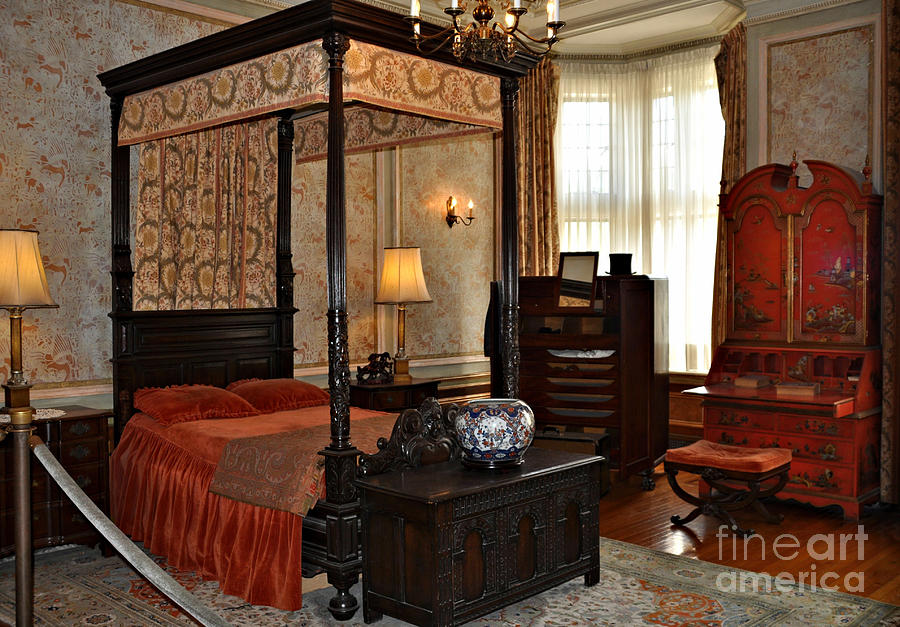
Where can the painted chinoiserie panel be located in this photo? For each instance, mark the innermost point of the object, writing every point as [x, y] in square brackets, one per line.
[800, 368]
[758, 249]
[835, 265]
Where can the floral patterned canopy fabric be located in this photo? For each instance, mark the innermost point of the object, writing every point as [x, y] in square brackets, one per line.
[205, 216]
[298, 76]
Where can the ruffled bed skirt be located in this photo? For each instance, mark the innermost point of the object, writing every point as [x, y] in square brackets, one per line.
[253, 553]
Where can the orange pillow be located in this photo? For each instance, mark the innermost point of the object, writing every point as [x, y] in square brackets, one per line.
[184, 403]
[270, 395]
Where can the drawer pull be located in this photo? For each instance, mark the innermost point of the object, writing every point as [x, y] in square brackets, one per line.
[79, 428]
[727, 438]
[732, 419]
[817, 426]
[824, 480]
[80, 452]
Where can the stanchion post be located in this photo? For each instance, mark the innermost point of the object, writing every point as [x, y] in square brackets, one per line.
[20, 429]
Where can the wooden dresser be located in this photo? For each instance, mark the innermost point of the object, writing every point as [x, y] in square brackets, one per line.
[600, 366]
[803, 307]
[79, 440]
[444, 544]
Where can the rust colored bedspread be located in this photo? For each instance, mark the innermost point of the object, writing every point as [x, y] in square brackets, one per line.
[159, 485]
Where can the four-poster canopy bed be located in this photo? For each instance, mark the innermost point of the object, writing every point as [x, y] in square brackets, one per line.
[275, 70]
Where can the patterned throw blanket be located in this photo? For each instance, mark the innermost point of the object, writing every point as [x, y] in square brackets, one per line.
[284, 471]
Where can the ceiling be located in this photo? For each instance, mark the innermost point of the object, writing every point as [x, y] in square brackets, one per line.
[593, 27]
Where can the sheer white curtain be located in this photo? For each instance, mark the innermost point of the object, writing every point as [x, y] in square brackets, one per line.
[640, 155]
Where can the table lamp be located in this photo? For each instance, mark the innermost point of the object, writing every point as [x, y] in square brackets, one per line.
[23, 285]
[402, 282]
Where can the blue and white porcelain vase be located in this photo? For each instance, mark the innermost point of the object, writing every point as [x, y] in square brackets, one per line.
[494, 432]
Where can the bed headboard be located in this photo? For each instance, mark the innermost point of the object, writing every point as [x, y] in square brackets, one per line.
[213, 347]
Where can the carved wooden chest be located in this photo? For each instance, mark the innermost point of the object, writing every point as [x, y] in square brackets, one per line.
[444, 544]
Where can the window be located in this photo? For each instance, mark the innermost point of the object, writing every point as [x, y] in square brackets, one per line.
[639, 154]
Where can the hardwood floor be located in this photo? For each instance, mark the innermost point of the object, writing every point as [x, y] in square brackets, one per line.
[872, 570]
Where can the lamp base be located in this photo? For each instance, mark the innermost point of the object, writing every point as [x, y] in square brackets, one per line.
[15, 396]
[401, 370]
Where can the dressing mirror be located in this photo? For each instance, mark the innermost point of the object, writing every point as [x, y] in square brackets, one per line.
[577, 278]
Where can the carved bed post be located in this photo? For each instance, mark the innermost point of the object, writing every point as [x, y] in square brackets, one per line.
[509, 233]
[121, 270]
[340, 508]
[284, 269]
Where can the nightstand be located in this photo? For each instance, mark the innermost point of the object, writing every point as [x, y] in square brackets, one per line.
[395, 396]
[80, 441]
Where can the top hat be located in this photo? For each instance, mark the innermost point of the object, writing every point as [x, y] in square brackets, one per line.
[619, 263]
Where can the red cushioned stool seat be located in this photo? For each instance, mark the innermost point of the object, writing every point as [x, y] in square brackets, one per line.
[735, 473]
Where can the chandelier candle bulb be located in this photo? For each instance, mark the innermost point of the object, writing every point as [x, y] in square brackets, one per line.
[471, 208]
[414, 8]
[454, 4]
[552, 13]
[517, 4]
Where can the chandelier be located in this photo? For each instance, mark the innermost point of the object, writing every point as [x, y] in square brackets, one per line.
[484, 37]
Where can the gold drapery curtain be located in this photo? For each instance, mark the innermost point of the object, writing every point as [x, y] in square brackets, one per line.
[890, 337]
[536, 171]
[205, 219]
[731, 71]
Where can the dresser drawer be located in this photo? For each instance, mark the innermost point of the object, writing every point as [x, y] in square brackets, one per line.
[41, 489]
[90, 477]
[86, 428]
[726, 417]
[81, 451]
[389, 399]
[815, 426]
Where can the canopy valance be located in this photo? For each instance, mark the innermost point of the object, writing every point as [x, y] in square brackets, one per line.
[372, 129]
[297, 77]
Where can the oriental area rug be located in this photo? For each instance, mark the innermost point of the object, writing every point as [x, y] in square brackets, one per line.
[638, 586]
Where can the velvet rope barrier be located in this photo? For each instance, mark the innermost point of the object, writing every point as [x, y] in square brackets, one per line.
[122, 543]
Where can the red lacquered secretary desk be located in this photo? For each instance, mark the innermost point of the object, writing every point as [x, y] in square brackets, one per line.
[803, 324]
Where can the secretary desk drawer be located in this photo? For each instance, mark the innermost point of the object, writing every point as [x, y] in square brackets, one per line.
[741, 418]
[815, 426]
[816, 477]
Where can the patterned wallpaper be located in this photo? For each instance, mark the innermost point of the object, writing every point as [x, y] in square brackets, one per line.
[820, 98]
[54, 163]
[308, 250]
[458, 262]
[54, 177]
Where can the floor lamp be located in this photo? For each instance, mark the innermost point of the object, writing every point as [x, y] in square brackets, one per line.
[23, 285]
[402, 282]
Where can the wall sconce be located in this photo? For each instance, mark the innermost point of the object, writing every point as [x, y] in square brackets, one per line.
[454, 218]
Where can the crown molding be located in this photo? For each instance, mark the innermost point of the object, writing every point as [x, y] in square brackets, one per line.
[641, 55]
[781, 14]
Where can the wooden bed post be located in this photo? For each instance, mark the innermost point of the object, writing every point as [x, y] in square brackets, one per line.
[284, 268]
[121, 270]
[509, 232]
[340, 508]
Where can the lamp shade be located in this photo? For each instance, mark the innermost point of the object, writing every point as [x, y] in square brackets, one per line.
[22, 280]
[402, 280]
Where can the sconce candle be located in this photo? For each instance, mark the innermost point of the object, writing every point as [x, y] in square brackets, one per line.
[453, 218]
